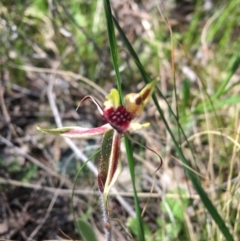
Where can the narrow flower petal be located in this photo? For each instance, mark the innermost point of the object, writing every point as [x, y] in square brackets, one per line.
[76, 131]
[135, 102]
[136, 126]
[112, 99]
[93, 100]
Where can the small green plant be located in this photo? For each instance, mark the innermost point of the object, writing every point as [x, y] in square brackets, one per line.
[24, 174]
[171, 222]
[174, 210]
[87, 232]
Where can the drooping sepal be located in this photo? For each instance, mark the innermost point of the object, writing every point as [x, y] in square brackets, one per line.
[110, 166]
[115, 166]
[76, 131]
[135, 102]
[106, 148]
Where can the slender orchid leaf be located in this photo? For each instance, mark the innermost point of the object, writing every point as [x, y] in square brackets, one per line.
[206, 201]
[87, 231]
[76, 131]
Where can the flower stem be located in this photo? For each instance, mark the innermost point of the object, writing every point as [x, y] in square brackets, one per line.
[106, 220]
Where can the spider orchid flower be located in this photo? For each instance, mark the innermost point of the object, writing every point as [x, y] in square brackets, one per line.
[118, 120]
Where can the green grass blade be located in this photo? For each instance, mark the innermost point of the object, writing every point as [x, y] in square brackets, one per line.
[113, 45]
[224, 12]
[132, 52]
[217, 104]
[232, 67]
[129, 151]
[206, 201]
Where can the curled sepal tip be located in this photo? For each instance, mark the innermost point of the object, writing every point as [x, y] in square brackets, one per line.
[93, 100]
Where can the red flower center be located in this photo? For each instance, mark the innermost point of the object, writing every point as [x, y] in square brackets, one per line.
[118, 118]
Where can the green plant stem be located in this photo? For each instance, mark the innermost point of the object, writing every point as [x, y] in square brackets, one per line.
[113, 46]
[128, 146]
[106, 220]
[129, 152]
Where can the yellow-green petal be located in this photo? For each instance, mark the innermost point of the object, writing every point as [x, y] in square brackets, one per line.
[112, 99]
[137, 126]
[135, 102]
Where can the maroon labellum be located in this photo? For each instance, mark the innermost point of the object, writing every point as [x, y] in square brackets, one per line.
[118, 118]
